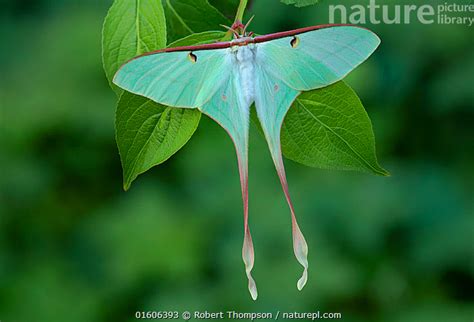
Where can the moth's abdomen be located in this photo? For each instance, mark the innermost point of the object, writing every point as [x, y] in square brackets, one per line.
[246, 60]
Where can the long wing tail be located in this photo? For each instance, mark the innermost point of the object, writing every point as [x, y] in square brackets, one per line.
[247, 249]
[300, 247]
[273, 99]
[228, 108]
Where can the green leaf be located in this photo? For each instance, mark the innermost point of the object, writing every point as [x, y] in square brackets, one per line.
[329, 128]
[149, 133]
[131, 28]
[199, 39]
[301, 3]
[185, 17]
[227, 7]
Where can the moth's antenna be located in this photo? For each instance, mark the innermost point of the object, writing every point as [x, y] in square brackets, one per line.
[232, 30]
[248, 23]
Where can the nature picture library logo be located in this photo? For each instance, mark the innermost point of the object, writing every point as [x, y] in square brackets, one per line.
[448, 13]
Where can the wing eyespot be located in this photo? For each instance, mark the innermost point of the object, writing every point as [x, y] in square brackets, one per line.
[192, 57]
[295, 41]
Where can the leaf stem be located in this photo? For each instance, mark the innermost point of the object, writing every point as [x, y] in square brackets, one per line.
[240, 10]
[238, 17]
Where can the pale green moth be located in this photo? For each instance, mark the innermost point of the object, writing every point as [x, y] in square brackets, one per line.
[223, 79]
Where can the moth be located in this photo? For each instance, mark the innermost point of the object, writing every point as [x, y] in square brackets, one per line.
[224, 79]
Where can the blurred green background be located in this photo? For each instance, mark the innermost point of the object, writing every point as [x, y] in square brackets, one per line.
[75, 247]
